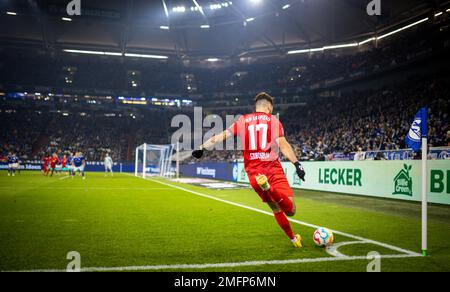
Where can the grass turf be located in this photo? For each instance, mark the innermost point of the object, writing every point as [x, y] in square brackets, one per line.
[126, 221]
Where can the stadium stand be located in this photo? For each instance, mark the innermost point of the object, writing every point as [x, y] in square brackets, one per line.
[357, 120]
[330, 106]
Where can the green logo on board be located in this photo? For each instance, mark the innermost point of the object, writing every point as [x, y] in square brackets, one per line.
[403, 182]
[243, 174]
[297, 181]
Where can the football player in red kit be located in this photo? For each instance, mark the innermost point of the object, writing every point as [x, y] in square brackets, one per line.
[46, 165]
[54, 160]
[64, 164]
[262, 136]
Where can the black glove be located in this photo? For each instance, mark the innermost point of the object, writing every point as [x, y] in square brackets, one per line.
[197, 154]
[300, 171]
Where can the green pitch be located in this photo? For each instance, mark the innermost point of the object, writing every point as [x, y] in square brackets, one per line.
[128, 223]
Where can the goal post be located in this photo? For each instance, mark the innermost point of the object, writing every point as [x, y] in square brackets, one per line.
[155, 160]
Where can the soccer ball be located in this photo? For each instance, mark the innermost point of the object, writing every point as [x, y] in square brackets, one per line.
[323, 237]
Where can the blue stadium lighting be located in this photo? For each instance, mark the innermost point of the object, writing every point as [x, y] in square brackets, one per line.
[93, 52]
[250, 19]
[11, 13]
[356, 44]
[286, 6]
[401, 29]
[367, 41]
[145, 56]
[165, 27]
[66, 19]
[205, 26]
[116, 54]
[179, 9]
[113, 54]
[351, 45]
[166, 11]
[212, 7]
[198, 7]
[215, 6]
[84, 52]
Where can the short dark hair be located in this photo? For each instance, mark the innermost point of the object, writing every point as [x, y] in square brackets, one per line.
[264, 96]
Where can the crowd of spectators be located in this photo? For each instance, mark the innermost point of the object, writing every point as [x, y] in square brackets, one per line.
[20, 130]
[349, 121]
[93, 135]
[34, 133]
[372, 120]
[368, 120]
[296, 73]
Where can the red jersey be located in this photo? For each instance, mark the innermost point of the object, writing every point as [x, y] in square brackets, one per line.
[64, 162]
[258, 133]
[54, 161]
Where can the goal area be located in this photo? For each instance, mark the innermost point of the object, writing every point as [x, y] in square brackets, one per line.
[156, 160]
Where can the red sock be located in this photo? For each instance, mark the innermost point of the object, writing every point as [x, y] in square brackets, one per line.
[285, 203]
[284, 224]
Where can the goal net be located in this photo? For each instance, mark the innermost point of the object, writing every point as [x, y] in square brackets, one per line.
[155, 160]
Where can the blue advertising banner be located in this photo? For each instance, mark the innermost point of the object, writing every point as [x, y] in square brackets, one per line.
[391, 155]
[343, 157]
[433, 153]
[213, 170]
[92, 166]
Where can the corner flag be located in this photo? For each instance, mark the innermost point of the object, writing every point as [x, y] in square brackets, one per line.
[419, 130]
[418, 138]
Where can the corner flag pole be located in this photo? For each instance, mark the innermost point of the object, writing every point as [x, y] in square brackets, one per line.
[424, 196]
[424, 134]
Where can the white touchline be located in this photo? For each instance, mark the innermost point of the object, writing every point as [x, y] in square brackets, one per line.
[224, 265]
[89, 188]
[385, 245]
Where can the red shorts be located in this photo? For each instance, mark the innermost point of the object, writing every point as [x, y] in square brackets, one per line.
[277, 180]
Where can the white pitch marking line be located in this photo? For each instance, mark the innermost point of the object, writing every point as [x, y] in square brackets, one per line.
[61, 178]
[333, 249]
[225, 265]
[90, 188]
[385, 245]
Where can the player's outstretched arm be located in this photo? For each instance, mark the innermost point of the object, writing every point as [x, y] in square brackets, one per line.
[211, 142]
[289, 153]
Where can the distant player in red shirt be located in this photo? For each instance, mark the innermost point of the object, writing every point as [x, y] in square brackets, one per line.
[45, 165]
[54, 160]
[262, 135]
[64, 164]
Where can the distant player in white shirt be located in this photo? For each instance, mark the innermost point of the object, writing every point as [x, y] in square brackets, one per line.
[108, 165]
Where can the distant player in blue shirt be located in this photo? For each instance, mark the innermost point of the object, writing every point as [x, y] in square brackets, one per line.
[13, 163]
[69, 163]
[79, 162]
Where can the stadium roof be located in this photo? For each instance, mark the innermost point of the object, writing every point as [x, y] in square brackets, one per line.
[200, 28]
